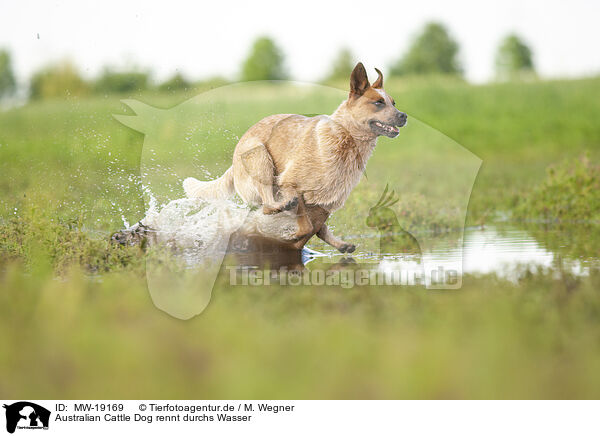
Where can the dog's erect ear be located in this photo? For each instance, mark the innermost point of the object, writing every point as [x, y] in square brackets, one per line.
[359, 82]
[379, 82]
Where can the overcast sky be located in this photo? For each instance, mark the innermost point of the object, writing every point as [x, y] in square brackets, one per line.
[209, 38]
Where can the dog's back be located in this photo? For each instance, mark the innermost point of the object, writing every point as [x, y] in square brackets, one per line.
[291, 162]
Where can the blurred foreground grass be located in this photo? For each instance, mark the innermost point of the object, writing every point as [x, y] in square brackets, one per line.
[74, 337]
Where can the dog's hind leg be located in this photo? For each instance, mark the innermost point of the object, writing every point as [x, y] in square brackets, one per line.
[325, 234]
[259, 165]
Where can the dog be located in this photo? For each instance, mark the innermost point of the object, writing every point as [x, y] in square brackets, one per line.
[308, 165]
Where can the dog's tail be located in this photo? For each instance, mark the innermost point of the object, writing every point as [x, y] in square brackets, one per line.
[219, 189]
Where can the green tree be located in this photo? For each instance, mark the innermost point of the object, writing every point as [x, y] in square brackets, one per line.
[342, 65]
[513, 58]
[60, 80]
[265, 62]
[175, 83]
[433, 51]
[8, 84]
[112, 82]
[211, 83]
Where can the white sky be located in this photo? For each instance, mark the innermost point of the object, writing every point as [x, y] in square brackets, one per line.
[209, 38]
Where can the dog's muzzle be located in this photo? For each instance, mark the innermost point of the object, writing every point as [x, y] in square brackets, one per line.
[387, 129]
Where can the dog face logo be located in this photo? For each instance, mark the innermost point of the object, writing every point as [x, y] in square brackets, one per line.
[432, 173]
[26, 415]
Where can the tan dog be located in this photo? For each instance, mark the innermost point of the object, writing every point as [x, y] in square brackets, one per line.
[308, 165]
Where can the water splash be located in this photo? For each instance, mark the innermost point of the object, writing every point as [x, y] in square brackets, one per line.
[196, 235]
[198, 229]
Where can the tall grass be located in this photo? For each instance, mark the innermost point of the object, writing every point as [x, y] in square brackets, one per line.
[76, 337]
[73, 154]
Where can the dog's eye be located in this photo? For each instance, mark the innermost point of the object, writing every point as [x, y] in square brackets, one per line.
[379, 103]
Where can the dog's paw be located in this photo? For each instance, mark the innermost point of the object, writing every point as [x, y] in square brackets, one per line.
[347, 248]
[290, 204]
[268, 210]
[271, 210]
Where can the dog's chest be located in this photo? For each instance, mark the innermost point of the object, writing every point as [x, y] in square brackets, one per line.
[340, 171]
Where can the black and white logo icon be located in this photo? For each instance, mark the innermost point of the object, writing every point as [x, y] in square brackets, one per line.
[26, 415]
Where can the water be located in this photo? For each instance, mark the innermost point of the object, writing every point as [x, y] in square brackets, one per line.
[506, 250]
[193, 242]
[203, 231]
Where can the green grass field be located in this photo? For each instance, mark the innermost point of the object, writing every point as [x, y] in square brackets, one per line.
[77, 321]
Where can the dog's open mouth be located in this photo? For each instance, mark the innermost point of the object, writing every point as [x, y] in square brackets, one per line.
[384, 129]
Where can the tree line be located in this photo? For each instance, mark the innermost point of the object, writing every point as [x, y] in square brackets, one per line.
[433, 51]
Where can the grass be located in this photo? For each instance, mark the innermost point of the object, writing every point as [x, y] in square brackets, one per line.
[75, 157]
[570, 192]
[76, 319]
[104, 339]
[62, 244]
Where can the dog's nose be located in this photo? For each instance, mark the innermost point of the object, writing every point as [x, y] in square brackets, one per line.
[402, 118]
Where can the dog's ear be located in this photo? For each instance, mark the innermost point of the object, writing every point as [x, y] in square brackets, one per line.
[379, 82]
[359, 82]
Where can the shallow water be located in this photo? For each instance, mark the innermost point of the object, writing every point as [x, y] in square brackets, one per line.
[195, 241]
[203, 232]
[506, 250]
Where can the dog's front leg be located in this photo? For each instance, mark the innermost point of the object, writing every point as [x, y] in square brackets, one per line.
[305, 227]
[326, 235]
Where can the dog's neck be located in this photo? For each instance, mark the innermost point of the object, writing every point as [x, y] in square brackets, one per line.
[362, 137]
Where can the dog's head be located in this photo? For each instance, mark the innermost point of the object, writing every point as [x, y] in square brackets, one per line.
[371, 107]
